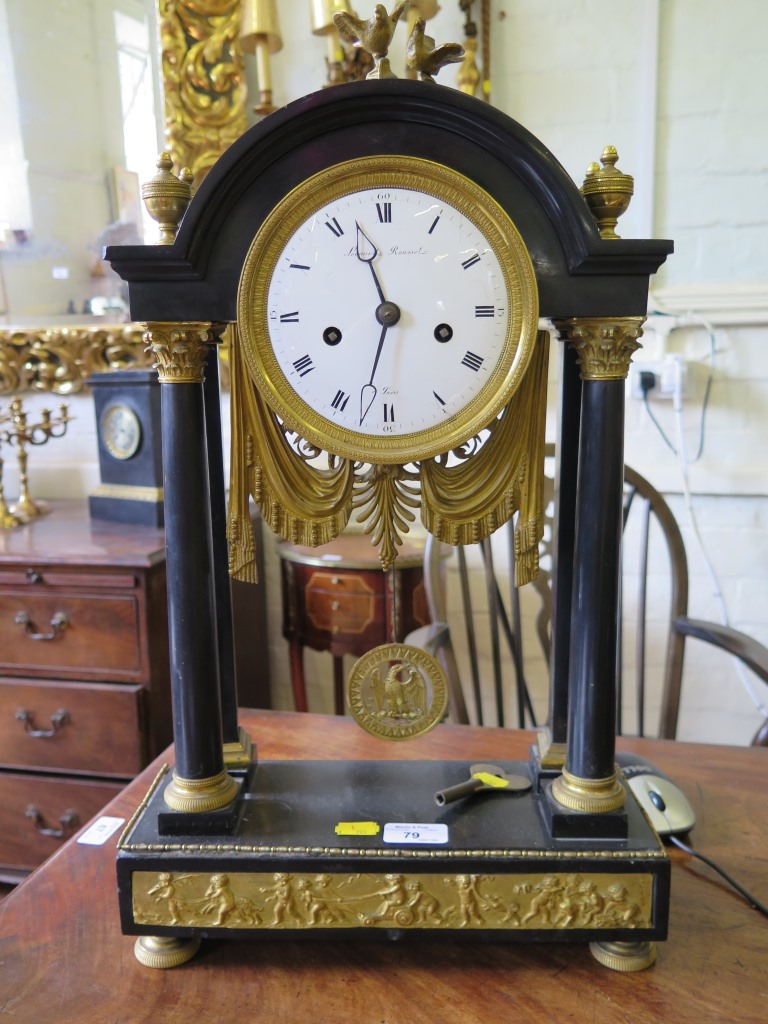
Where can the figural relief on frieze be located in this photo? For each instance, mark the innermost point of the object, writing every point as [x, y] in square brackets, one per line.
[305, 900]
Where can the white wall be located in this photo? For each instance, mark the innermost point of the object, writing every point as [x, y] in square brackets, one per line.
[71, 127]
[680, 87]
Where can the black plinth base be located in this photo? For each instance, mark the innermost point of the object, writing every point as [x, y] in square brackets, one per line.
[126, 510]
[222, 822]
[564, 824]
[294, 865]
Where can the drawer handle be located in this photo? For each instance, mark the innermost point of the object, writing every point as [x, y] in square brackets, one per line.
[59, 718]
[33, 576]
[59, 623]
[69, 822]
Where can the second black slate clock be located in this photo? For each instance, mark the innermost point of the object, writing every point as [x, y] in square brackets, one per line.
[127, 405]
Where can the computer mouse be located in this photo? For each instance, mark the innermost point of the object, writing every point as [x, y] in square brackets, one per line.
[666, 805]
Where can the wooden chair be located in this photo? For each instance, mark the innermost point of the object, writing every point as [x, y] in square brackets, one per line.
[493, 639]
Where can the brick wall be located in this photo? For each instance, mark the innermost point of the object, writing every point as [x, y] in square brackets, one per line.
[681, 89]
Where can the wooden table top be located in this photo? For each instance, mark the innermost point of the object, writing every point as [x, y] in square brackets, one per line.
[63, 958]
[67, 534]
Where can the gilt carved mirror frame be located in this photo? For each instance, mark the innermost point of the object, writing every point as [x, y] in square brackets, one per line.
[205, 111]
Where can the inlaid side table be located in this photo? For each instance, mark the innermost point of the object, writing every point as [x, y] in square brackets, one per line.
[336, 598]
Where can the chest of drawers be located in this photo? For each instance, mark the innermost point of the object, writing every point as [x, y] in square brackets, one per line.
[84, 674]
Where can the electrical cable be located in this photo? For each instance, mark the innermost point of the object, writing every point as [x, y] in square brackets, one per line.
[646, 387]
[658, 802]
[724, 874]
[655, 422]
[716, 589]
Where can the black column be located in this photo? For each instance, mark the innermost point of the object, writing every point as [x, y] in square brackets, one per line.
[566, 474]
[189, 561]
[222, 593]
[595, 596]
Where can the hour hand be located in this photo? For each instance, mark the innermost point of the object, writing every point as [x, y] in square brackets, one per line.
[367, 251]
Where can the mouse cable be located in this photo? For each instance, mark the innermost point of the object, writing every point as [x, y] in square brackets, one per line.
[731, 881]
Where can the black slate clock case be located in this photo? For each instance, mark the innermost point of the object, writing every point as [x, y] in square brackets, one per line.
[131, 488]
[196, 279]
[578, 274]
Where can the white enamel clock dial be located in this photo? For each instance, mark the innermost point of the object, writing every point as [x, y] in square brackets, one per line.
[393, 314]
[120, 430]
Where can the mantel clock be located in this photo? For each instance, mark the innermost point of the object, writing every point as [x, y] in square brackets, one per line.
[127, 407]
[380, 256]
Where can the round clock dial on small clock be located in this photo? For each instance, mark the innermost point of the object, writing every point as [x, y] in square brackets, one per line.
[388, 309]
[121, 430]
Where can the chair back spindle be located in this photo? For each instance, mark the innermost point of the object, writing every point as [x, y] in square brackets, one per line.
[498, 648]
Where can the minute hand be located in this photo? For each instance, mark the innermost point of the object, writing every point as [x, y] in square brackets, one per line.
[368, 391]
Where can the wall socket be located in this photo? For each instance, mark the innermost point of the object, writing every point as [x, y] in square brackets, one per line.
[665, 372]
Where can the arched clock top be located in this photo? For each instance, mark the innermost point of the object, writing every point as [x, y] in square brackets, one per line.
[578, 273]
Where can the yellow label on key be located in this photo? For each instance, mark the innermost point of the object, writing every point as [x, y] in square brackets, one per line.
[357, 828]
[491, 780]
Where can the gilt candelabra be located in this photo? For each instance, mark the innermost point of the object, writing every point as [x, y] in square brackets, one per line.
[20, 434]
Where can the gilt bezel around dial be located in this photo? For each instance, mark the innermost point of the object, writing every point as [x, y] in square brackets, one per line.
[408, 290]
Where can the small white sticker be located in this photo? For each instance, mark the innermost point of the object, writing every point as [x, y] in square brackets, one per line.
[100, 831]
[405, 834]
[60, 273]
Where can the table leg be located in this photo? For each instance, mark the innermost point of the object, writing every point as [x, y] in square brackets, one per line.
[298, 681]
[338, 684]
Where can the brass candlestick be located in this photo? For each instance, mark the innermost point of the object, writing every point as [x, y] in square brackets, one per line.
[7, 518]
[260, 35]
[22, 435]
[468, 76]
[321, 16]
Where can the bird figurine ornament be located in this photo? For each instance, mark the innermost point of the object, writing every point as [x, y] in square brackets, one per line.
[373, 35]
[426, 59]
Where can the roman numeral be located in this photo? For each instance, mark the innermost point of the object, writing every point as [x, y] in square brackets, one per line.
[434, 224]
[485, 310]
[298, 266]
[303, 366]
[334, 226]
[470, 262]
[290, 318]
[389, 413]
[384, 211]
[340, 401]
[472, 361]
